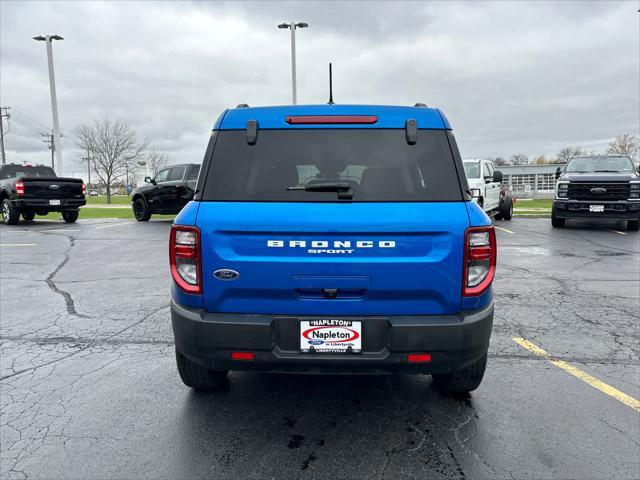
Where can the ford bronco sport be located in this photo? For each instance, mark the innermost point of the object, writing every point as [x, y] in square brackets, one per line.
[332, 239]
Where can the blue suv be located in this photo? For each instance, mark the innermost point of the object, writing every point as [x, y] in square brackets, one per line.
[332, 239]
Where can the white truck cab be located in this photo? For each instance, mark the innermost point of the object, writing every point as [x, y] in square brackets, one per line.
[484, 181]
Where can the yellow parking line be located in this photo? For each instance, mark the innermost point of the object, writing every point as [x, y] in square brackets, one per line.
[503, 229]
[628, 400]
[616, 231]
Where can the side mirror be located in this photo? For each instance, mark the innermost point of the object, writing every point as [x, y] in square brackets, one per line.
[148, 180]
[487, 179]
[497, 176]
[558, 172]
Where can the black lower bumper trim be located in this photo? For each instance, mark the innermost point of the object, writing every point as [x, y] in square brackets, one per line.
[454, 341]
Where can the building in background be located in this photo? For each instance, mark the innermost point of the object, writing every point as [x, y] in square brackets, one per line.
[530, 181]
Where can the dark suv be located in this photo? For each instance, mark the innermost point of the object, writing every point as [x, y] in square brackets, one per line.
[597, 187]
[334, 239]
[166, 193]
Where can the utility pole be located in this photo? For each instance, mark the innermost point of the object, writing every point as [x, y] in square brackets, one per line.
[4, 113]
[48, 39]
[293, 27]
[50, 139]
[88, 160]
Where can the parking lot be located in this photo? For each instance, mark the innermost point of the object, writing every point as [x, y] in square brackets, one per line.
[89, 387]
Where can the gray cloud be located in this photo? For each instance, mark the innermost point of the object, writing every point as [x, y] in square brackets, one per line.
[512, 77]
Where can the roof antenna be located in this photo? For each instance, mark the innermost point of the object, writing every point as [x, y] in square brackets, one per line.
[330, 102]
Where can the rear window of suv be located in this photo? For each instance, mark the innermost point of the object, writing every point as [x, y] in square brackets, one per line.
[379, 165]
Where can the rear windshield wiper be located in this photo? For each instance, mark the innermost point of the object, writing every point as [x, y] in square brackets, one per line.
[343, 188]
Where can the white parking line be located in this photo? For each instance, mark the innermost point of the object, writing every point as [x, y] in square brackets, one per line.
[17, 244]
[114, 225]
[616, 231]
[62, 229]
[503, 229]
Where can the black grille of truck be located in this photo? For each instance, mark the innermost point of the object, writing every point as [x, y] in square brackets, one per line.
[599, 191]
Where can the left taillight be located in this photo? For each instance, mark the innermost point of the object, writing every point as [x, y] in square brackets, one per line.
[479, 260]
[84, 188]
[184, 258]
[18, 185]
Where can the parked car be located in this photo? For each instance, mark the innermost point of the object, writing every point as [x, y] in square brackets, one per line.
[30, 190]
[335, 239]
[597, 187]
[168, 192]
[93, 193]
[485, 184]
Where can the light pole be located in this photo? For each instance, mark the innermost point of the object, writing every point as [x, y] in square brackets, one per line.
[54, 102]
[293, 27]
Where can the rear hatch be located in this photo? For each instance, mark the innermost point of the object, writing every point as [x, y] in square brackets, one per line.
[378, 230]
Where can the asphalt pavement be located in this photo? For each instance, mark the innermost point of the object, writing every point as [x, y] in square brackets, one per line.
[89, 388]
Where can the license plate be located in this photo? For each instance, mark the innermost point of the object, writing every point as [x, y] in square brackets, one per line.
[54, 202]
[330, 335]
[596, 208]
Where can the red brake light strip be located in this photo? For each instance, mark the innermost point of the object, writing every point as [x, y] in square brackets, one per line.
[331, 119]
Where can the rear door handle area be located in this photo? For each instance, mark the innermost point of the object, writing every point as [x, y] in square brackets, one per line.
[330, 293]
[330, 288]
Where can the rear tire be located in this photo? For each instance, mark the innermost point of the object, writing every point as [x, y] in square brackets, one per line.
[506, 209]
[28, 215]
[461, 381]
[141, 210]
[10, 214]
[633, 225]
[198, 377]
[555, 221]
[70, 216]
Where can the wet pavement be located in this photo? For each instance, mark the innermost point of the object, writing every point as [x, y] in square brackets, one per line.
[89, 388]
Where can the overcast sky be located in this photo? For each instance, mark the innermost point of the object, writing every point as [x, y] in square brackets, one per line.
[513, 77]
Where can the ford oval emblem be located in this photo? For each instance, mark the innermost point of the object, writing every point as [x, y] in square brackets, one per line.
[54, 187]
[226, 274]
[598, 190]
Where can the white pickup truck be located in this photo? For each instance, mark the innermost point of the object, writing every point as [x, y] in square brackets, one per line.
[484, 181]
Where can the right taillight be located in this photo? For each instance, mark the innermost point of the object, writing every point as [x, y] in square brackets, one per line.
[184, 257]
[479, 260]
[18, 185]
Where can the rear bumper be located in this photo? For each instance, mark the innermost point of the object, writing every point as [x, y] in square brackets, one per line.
[42, 204]
[612, 210]
[454, 341]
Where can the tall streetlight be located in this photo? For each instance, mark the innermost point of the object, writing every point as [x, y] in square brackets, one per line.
[293, 27]
[54, 101]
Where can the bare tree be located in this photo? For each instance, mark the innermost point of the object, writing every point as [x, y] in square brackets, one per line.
[113, 148]
[627, 145]
[541, 160]
[567, 153]
[519, 159]
[156, 161]
[499, 161]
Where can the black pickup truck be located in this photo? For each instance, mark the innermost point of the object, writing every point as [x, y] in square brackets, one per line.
[597, 187]
[36, 190]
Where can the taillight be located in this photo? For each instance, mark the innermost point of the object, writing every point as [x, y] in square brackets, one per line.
[18, 185]
[479, 260]
[184, 257]
[84, 189]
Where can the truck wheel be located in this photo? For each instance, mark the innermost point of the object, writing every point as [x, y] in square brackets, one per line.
[10, 214]
[197, 377]
[555, 221]
[28, 215]
[463, 380]
[141, 210]
[633, 225]
[70, 216]
[506, 210]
